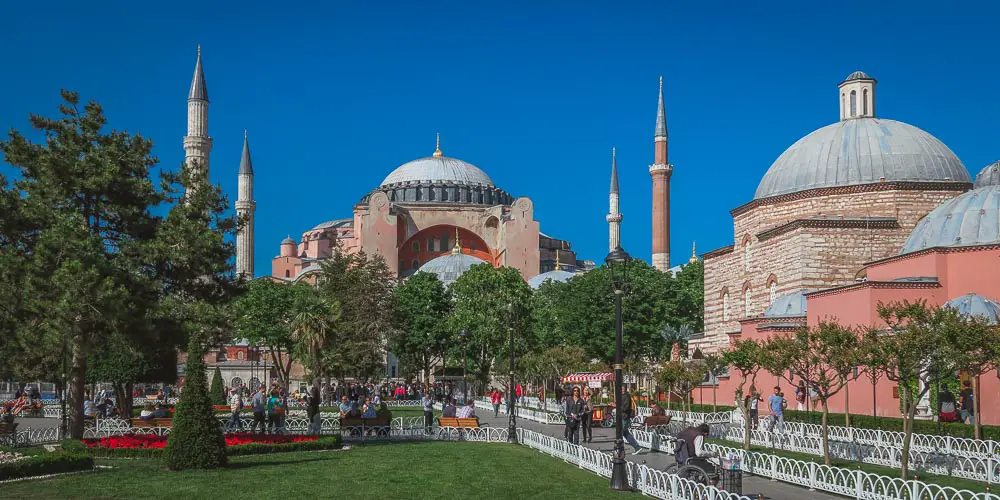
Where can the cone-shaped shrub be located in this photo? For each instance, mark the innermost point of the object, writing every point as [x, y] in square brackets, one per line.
[218, 391]
[196, 441]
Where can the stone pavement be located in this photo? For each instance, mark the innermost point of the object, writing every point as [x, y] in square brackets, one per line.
[604, 441]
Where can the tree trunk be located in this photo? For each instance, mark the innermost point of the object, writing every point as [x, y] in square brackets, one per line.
[714, 387]
[77, 381]
[123, 393]
[826, 432]
[977, 426]
[847, 404]
[745, 410]
[909, 411]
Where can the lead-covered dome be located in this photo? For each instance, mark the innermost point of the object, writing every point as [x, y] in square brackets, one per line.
[557, 275]
[861, 151]
[449, 267]
[988, 176]
[972, 218]
[972, 304]
[791, 304]
[438, 169]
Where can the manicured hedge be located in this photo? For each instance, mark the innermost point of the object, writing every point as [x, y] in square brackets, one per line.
[45, 464]
[323, 443]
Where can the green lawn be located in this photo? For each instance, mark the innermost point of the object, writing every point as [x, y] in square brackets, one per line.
[384, 471]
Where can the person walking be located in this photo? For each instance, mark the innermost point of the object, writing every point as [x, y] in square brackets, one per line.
[800, 396]
[312, 411]
[574, 412]
[968, 400]
[518, 392]
[776, 402]
[628, 414]
[428, 404]
[259, 408]
[752, 401]
[496, 398]
[236, 406]
[587, 419]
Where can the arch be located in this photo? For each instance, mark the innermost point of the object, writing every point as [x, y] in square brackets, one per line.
[864, 102]
[725, 305]
[854, 103]
[253, 384]
[747, 299]
[842, 102]
[747, 248]
[237, 383]
[772, 289]
[240, 356]
[861, 275]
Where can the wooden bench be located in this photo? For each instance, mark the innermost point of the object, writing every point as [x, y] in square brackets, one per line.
[656, 423]
[148, 423]
[381, 424]
[7, 432]
[458, 422]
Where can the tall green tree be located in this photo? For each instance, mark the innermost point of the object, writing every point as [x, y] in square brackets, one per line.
[196, 440]
[263, 316]
[745, 357]
[315, 317]
[492, 303]
[682, 377]
[689, 297]
[421, 305]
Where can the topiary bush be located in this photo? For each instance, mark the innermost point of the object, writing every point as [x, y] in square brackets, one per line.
[196, 441]
[46, 463]
[218, 390]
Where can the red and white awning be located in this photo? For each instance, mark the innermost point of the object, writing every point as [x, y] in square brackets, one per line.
[587, 377]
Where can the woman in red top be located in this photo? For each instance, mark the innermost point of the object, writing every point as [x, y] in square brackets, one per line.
[496, 397]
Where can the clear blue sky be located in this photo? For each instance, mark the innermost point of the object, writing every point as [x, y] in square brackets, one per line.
[336, 96]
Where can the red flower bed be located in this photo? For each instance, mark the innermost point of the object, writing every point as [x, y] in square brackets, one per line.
[130, 441]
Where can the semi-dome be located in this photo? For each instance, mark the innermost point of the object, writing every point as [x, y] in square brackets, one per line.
[791, 304]
[858, 151]
[557, 275]
[969, 219]
[438, 169]
[973, 304]
[988, 176]
[449, 267]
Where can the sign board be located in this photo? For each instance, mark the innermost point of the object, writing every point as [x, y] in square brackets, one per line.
[594, 384]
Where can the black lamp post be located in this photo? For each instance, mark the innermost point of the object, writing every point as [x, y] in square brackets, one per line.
[617, 262]
[512, 420]
[464, 335]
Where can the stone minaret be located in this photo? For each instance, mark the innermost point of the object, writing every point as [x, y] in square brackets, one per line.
[197, 143]
[614, 217]
[660, 171]
[245, 207]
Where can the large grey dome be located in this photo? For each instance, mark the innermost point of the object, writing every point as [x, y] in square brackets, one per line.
[449, 267]
[969, 219]
[988, 176]
[861, 151]
[556, 275]
[438, 169]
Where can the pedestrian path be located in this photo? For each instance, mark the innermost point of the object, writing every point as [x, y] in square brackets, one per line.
[604, 441]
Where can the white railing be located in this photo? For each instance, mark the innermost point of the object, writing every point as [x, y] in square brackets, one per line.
[719, 417]
[32, 437]
[539, 416]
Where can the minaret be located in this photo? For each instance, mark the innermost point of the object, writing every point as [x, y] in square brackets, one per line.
[614, 217]
[245, 208]
[197, 143]
[660, 171]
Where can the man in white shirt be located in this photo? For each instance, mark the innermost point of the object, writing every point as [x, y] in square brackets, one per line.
[236, 406]
[468, 410]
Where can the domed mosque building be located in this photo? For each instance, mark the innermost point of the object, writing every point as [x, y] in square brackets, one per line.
[436, 214]
[862, 211]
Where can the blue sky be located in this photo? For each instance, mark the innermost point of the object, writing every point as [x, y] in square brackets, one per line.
[336, 96]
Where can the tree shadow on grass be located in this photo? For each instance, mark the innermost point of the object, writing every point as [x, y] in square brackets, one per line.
[258, 463]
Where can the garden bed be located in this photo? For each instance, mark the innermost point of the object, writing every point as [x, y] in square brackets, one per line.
[238, 443]
[21, 464]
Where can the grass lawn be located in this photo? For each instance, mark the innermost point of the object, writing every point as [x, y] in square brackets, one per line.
[387, 470]
[954, 482]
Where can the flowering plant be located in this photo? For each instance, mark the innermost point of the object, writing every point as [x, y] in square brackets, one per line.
[132, 442]
[7, 457]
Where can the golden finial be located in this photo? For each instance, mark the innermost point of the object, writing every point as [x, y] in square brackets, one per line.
[458, 245]
[694, 254]
[558, 266]
[437, 146]
[661, 84]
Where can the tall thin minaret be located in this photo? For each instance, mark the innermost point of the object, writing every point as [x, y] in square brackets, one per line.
[197, 143]
[660, 171]
[614, 217]
[245, 208]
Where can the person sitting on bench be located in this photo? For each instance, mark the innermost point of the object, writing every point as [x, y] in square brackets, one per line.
[449, 409]
[467, 411]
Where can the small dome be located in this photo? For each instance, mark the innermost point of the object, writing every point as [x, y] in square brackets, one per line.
[861, 151]
[449, 267]
[288, 241]
[976, 305]
[969, 219]
[858, 75]
[438, 169]
[557, 275]
[988, 176]
[791, 304]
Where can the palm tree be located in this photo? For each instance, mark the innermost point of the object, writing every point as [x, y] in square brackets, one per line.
[311, 323]
[675, 336]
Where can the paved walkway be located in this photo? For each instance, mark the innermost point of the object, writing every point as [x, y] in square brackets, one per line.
[604, 441]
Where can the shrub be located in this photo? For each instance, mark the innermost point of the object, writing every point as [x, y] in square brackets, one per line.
[46, 463]
[196, 440]
[218, 390]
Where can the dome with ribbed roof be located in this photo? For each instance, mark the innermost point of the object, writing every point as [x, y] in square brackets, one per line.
[861, 151]
[858, 75]
[438, 169]
[791, 304]
[973, 304]
[988, 176]
[972, 218]
[449, 267]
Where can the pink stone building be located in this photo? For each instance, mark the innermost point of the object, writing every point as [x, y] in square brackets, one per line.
[862, 211]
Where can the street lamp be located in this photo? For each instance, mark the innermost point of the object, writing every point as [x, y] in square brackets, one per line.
[512, 420]
[617, 262]
[464, 335]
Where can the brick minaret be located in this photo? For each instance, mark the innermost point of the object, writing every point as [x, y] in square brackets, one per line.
[660, 171]
[245, 207]
[614, 217]
[197, 143]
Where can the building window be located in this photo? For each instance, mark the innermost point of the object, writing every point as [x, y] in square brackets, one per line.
[725, 306]
[854, 103]
[864, 102]
[306, 245]
[773, 291]
[415, 264]
[430, 245]
[415, 247]
[842, 103]
[746, 256]
[288, 274]
[747, 305]
[444, 243]
[239, 355]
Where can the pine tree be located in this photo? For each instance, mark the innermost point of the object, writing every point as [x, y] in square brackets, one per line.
[196, 441]
[218, 392]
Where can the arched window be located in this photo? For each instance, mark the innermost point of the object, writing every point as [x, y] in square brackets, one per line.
[288, 274]
[305, 245]
[239, 355]
[864, 102]
[444, 243]
[725, 306]
[415, 264]
[415, 247]
[746, 255]
[773, 292]
[747, 305]
[430, 245]
[842, 103]
[854, 103]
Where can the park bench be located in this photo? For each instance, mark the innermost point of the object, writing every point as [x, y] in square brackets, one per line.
[656, 423]
[458, 422]
[381, 424]
[149, 423]
[7, 432]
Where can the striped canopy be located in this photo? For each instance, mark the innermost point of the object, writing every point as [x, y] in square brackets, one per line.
[587, 377]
